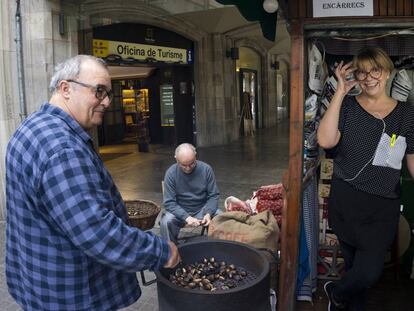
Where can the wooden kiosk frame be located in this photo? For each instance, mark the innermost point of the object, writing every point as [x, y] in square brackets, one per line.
[388, 14]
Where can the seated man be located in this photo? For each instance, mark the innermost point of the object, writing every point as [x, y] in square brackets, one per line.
[190, 193]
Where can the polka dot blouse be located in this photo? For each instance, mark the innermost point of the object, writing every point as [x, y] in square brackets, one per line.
[357, 159]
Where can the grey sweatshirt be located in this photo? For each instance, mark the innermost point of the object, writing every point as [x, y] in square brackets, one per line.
[186, 194]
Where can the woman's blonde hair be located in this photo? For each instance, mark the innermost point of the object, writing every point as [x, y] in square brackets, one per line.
[374, 57]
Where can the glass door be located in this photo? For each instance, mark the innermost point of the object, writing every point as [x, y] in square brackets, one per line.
[248, 102]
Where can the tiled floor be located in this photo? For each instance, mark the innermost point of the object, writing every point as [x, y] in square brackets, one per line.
[240, 167]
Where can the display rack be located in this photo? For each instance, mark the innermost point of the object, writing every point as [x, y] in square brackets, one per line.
[136, 111]
[129, 104]
[143, 102]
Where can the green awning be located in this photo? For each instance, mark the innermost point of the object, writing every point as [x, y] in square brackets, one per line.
[252, 10]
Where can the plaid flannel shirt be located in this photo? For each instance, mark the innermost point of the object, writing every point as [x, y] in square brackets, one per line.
[68, 245]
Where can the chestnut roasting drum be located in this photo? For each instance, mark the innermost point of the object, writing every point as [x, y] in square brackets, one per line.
[251, 295]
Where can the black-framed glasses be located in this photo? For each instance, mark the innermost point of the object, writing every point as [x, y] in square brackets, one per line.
[100, 90]
[361, 75]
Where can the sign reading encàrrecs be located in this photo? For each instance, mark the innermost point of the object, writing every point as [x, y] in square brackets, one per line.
[328, 8]
[104, 48]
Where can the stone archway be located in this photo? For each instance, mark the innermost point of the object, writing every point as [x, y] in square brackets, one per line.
[92, 14]
[264, 77]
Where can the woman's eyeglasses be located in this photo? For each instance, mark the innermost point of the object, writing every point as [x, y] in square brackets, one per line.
[100, 90]
[361, 75]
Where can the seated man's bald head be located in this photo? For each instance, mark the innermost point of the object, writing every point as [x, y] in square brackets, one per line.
[185, 154]
[185, 148]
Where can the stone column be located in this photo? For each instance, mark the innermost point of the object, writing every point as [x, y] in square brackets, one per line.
[9, 107]
[43, 47]
[210, 115]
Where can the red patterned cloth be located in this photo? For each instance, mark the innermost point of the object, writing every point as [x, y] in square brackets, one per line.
[275, 206]
[270, 198]
[265, 198]
[271, 192]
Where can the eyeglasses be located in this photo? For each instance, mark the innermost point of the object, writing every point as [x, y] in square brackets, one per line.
[190, 165]
[361, 75]
[100, 90]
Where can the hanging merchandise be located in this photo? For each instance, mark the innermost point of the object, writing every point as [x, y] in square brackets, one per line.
[311, 107]
[405, 62]
[328, 93]
[311, 148]
[317, 72]
[311, 145]
[309, 242]
[401, 86]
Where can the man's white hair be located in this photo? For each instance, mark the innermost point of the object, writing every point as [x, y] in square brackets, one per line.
[70, 69]
[183, 147]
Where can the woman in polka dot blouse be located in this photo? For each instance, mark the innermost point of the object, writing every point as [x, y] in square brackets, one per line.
[371, 134]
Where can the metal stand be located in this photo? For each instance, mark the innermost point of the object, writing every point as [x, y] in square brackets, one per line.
[144, 281]
[333, 268]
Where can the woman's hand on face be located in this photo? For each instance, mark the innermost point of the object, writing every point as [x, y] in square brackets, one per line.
[342, 71]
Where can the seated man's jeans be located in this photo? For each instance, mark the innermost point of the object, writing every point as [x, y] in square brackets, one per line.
[170, 225]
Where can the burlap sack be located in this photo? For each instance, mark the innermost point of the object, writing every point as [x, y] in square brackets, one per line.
[260, 230]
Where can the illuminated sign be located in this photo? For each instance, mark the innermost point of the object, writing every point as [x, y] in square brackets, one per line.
[167, 105]
[140, 52]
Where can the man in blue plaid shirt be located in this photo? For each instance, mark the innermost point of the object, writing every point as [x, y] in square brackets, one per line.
[68, 244]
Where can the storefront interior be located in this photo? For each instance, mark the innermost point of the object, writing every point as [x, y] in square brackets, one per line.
[143, 108]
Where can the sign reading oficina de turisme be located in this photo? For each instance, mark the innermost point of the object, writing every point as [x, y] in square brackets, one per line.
[141, 52]
[327, 8]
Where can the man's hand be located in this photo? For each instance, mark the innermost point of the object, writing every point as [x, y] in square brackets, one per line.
[192, 221]
[206, 220]
[174, 258]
